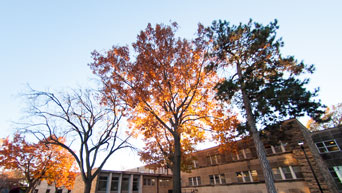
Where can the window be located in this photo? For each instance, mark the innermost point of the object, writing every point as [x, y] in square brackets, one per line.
[114, 183]
[248, 153]
[135, 183]
[214, 159]
[102, 183]
[254, 175]
[269, 150]
[287, 173]
[149, 182]
[59, 190]
[327, 146]
[239, 176]
[195, 163]
[195, 181]
[277, 174]
[164, 182]
[277, 149]
[297, 172]
[336, 173]
[273, 149]
[217, 179]
[222, 179]
[241, 154]
[48, 191]
[235, 156]
[247, 176]
[69, 191]
[125, 182]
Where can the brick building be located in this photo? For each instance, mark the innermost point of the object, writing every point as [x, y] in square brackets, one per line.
[301, 162]
[44, 187]
[328, 143]
[143, 181]
[290, 158]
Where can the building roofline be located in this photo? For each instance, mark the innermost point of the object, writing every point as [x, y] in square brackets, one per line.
[328, 129]
[131, 172]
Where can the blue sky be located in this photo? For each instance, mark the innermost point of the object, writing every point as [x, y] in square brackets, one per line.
[47, 44]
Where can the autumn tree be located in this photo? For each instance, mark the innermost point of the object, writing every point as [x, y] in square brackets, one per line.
[265, 85]
[64, 170]
[167, 91]
[89, 127]
[333, 117]
[33, 160]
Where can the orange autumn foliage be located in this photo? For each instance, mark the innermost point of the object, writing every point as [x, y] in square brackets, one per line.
[36, 161]
[64, 170]
[168, 92]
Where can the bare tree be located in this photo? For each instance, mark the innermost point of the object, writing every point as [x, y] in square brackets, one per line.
[78, 120]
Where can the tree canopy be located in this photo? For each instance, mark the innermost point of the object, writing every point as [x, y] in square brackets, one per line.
[168, 93]
[92, 128]
[64, 171]
[36, 161]
[332, 118]
[271, 81]
[264, 84]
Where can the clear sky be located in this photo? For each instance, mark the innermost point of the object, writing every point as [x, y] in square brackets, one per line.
[47, 44]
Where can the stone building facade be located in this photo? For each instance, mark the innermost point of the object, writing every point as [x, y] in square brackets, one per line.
[44, 187]
[329, 144]
[301, 161]
[127, 182]
[290, 157]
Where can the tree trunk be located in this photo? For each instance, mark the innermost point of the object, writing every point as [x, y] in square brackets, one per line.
[176, 173]
[87, 186]
[260, 149]
[30, 188]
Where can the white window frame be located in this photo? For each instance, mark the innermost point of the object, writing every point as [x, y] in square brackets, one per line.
[194, 181]
[273, 149]
[244, 153]
[217, 178]
[326, 147]
[195, 163]
[293, 174]
[210, 158]
[245, 173]
[282, 147]
[237, 156]
[198, 180]
[337, 171]
[214, 159]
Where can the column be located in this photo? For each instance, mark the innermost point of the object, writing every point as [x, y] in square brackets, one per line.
[130, 184]
[120, 182]
[282, 173]
[109, 183]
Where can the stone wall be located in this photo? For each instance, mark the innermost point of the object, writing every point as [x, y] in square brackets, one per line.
[319, 166]
[293, 132]
[79, 185]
